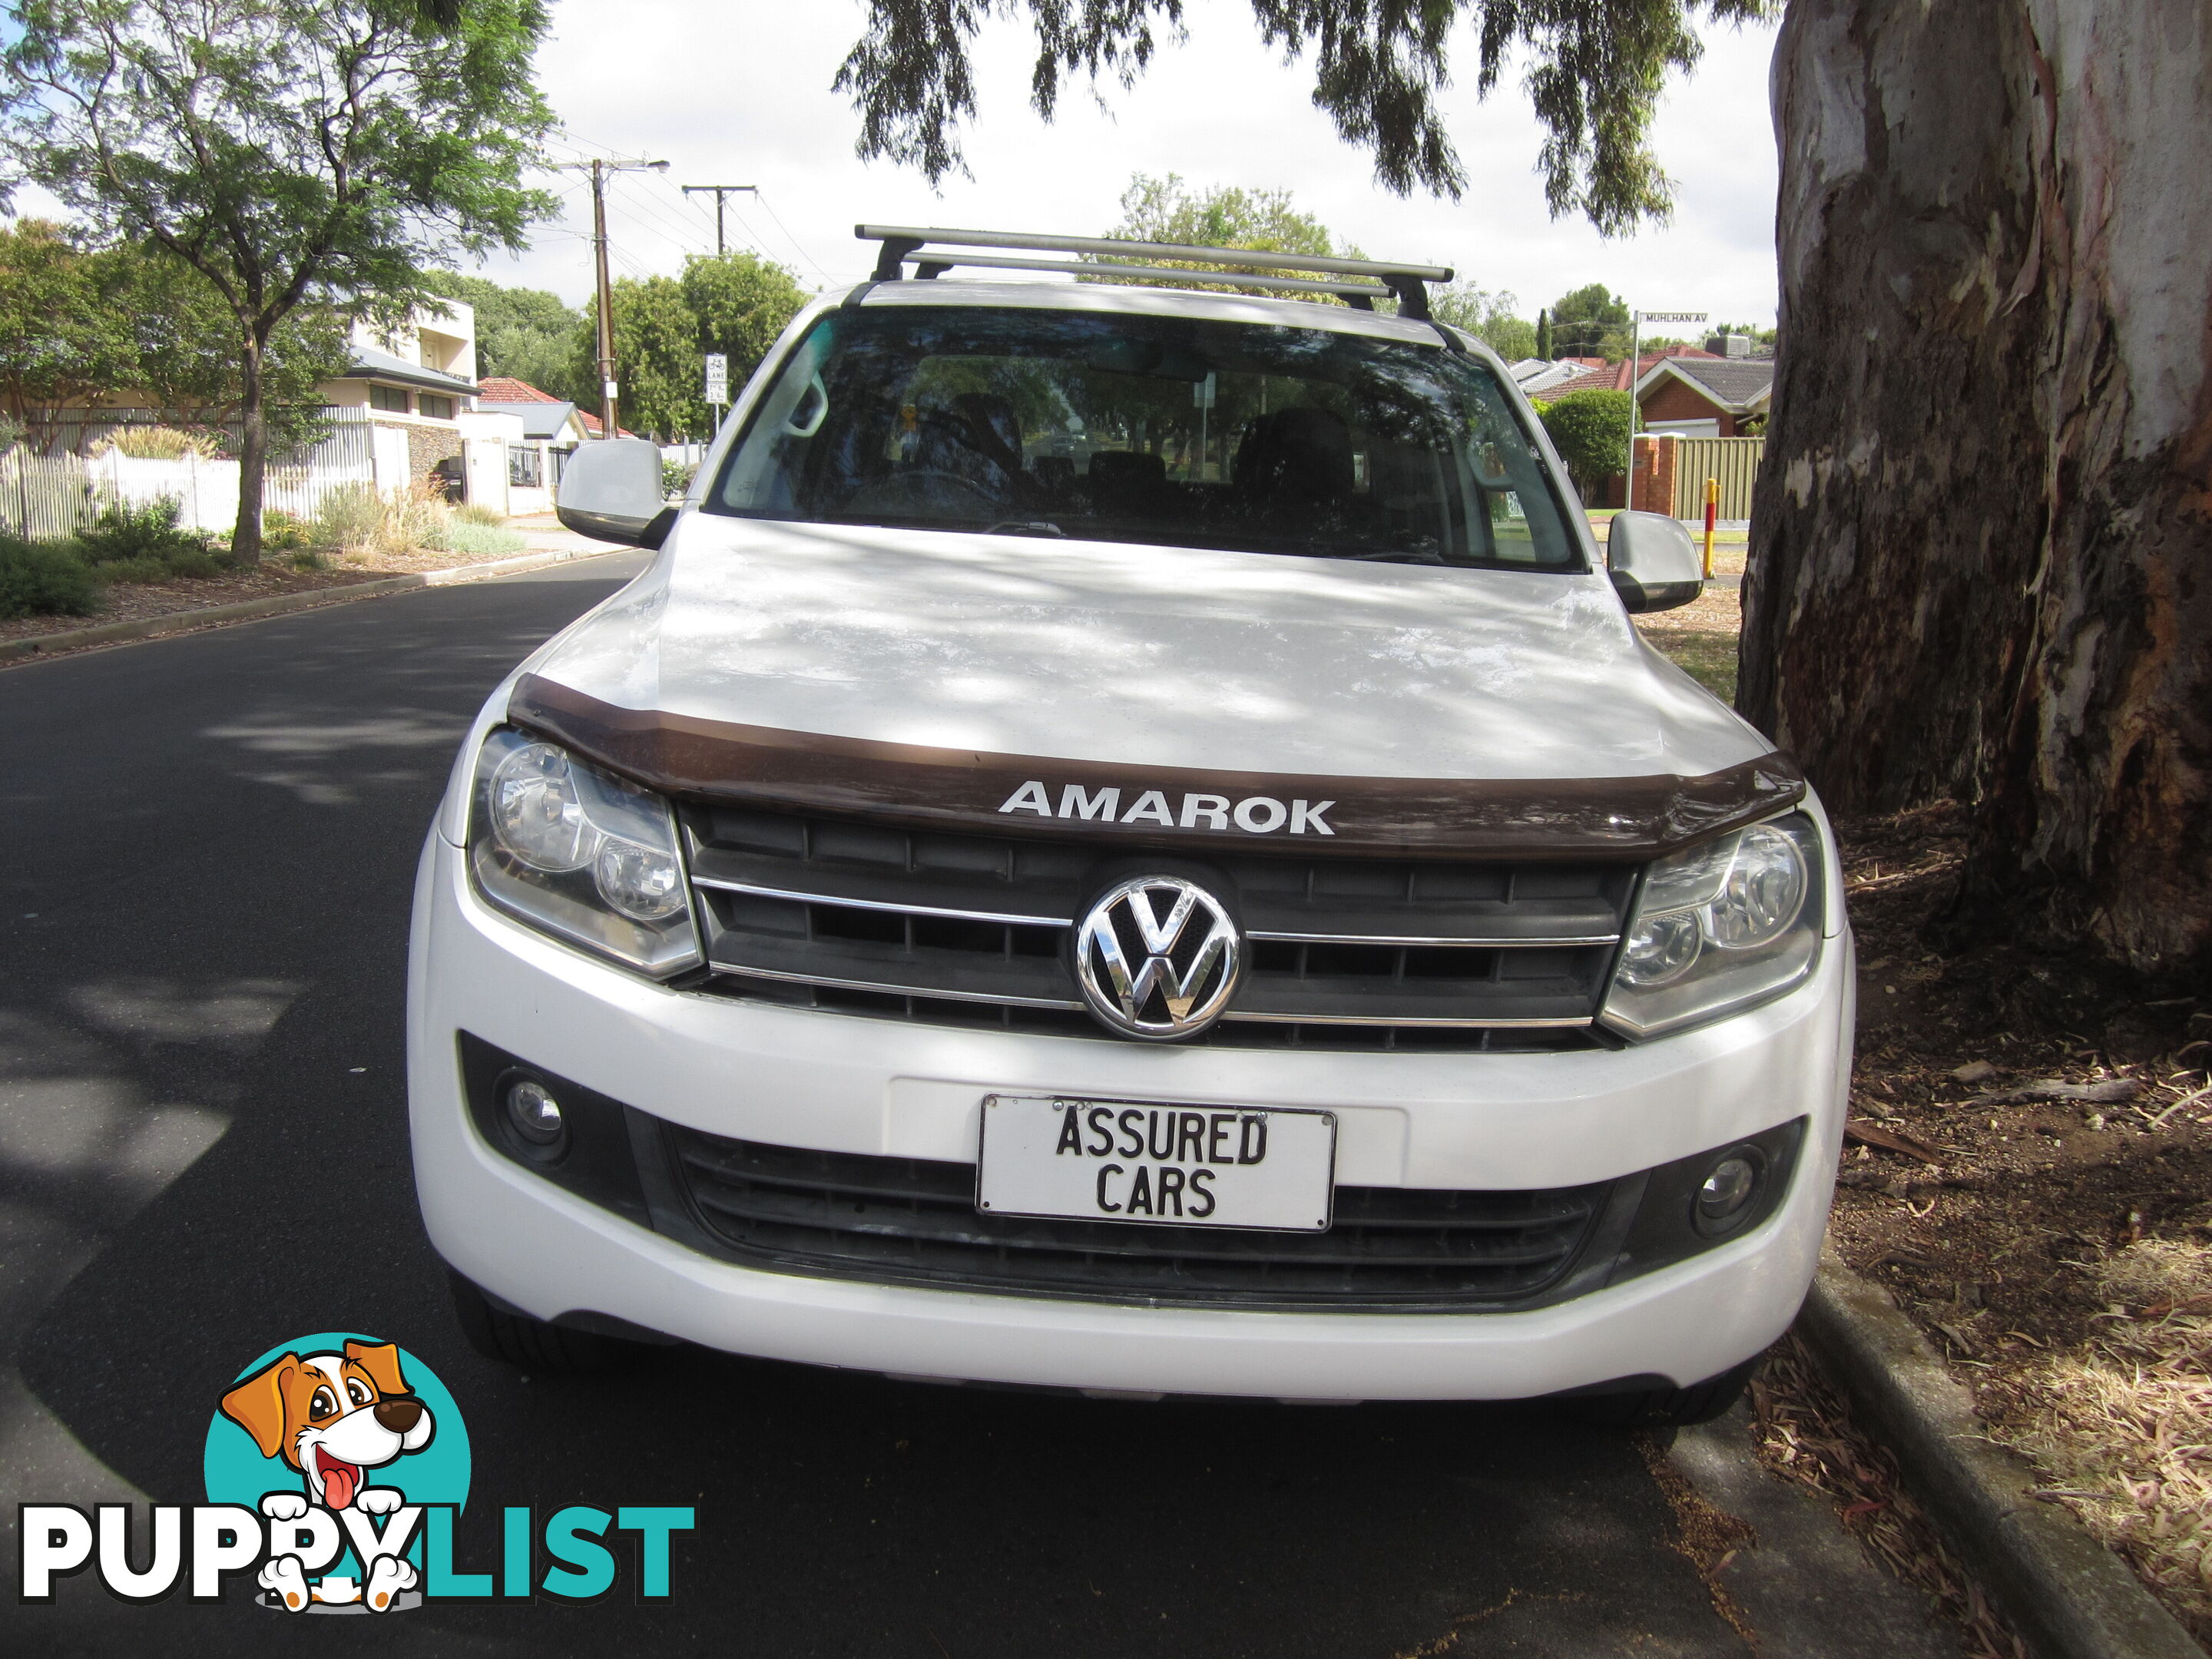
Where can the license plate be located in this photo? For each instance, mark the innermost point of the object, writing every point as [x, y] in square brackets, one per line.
[1181, 1166]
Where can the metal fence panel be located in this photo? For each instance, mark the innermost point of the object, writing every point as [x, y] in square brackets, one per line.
[50, 496]
[1733, 462]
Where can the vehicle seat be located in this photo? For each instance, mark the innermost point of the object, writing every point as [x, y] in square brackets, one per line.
[1127, 481]
[1300, 455]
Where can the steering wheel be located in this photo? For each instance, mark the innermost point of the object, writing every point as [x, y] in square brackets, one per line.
[917, 488]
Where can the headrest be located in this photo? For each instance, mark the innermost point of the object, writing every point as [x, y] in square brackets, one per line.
[1298, 454]
[1126, 469]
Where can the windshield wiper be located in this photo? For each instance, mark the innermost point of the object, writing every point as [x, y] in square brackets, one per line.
[1026, 527]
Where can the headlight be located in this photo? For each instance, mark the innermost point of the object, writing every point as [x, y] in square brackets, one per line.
[581, 853]
[1719, 925]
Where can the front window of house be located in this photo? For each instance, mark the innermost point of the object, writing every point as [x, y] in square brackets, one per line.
[390, 398]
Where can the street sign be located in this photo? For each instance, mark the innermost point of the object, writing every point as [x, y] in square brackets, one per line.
[718, 378]
[1670, 316]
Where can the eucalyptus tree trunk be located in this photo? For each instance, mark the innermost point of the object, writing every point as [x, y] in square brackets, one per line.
[1982, 553]
[253, 452]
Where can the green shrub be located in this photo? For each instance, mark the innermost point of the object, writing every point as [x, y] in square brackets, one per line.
[282, 531]
[205, 563]
[125, 532]
[1590, 431]
[480, 541]
[45, 579]
[141, 569]
[675, 477]
[477, 512]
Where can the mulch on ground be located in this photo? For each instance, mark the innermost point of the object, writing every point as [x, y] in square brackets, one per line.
[2030, 1174]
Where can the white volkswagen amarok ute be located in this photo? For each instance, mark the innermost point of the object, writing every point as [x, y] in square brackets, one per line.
[1125, 842]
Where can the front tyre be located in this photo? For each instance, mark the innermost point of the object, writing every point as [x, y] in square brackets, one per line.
[516, 1339]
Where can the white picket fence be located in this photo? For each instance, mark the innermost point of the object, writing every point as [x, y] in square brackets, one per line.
[48, 497]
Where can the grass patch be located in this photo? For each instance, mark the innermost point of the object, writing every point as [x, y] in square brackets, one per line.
[478, 539]
[1706, 657]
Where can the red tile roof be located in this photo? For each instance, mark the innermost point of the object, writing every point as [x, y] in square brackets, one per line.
[591, 425]
[501, 389]
[1615, 377]
[504, 389]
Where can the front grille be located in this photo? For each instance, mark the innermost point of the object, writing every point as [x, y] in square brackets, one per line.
[892, 1219]
[972, 929]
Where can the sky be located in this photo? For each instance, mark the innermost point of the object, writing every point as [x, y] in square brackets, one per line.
[737, 92]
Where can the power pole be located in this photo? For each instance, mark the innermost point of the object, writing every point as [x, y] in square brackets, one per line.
[718, 192]
[600, 169]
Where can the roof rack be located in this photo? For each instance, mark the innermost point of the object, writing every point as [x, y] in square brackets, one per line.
[926, 250]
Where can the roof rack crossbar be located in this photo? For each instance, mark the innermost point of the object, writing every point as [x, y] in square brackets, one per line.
[929, 264]
[1254, 258]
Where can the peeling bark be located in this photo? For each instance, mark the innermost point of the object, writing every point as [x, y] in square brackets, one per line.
[1982, 544]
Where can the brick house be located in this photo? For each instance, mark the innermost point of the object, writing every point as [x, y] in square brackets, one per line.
[1704, 396]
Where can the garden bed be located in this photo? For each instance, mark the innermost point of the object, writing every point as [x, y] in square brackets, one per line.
[138, 601]
[137, 563]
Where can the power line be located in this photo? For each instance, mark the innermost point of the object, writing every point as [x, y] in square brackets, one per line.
[641, 215]
[718, 192]
[796, 244]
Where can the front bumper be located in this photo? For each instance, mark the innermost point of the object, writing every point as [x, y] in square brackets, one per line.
[845, 1083]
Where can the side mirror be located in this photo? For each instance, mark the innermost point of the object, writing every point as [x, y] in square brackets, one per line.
[1654, 564]
[611, 489]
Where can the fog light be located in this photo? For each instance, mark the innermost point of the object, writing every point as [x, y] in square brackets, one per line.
[1728, 1191]
[535, 1116]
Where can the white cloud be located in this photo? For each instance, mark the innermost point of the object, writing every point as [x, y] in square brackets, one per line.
[739, 93]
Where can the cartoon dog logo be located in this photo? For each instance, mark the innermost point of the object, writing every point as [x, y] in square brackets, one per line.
[333, 1417]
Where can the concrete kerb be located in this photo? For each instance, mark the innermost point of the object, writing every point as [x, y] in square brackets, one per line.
[278, 605]
[2067, 1595]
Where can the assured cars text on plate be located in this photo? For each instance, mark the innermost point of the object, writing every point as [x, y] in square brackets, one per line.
[1123, 1160]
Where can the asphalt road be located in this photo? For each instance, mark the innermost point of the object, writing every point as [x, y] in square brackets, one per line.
[206, 849]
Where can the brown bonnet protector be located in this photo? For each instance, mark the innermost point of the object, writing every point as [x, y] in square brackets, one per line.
[1156, 806]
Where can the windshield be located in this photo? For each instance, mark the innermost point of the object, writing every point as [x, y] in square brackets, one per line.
[1165, 430]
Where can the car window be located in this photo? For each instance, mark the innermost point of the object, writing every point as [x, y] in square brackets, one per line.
[1170, 431]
